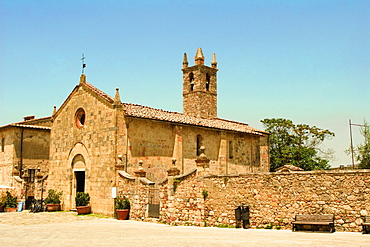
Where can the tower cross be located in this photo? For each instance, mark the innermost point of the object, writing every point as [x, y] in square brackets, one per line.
[83, 63]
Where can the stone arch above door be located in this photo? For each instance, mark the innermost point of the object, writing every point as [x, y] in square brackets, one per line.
[78, 163]
[77, 155]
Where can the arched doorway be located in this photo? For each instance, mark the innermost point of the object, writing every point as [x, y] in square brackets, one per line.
[79, 168]
[79, 161]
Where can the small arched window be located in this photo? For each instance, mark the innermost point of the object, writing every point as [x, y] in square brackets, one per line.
[199, 144]
[208, 81]
[191, 79]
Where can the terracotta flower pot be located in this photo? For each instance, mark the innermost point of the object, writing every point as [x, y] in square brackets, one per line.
[122, 214]
[2, 208]
[53, 207]
[83, 210]
[10, 209]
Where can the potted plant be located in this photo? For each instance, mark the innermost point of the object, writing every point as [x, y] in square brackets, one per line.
[122, 207]
[52, 201]
[10, 202]
[82, 202]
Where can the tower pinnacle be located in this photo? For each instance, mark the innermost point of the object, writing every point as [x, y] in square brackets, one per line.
[214, 63]
[117, 97]
[199, 58]
[185, 62]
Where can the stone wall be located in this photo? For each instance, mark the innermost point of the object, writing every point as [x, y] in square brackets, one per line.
[156, 143]
[27, 149]
[274, 199]
[94, 141]
[182, 201]
[137, 193]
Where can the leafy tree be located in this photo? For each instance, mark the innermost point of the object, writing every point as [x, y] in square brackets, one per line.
[298, 145]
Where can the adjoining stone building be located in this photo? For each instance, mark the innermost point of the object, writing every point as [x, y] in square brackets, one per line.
[95, 139]
[24, 156]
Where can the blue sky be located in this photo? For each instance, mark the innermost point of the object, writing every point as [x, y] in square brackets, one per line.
[308, 61]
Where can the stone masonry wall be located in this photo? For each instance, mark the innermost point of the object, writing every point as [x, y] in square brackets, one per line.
[182, 201]
[275, 198]
[95, 141]
[156, 143]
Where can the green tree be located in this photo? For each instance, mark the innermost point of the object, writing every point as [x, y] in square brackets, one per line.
[298, 145]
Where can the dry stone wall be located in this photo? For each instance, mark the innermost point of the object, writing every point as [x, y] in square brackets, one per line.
[137, 193]
[274, 199]
[182, 202]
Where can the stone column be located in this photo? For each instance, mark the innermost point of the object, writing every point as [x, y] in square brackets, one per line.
[138, 203]
[172, 172]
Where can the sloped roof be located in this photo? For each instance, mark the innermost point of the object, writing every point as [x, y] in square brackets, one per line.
[139, 111]
[175, 117]
[99, 92]
[31, 124]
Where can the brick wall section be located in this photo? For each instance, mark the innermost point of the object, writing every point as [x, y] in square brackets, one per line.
[277, 198]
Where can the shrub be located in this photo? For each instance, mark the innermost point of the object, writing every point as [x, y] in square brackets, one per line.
[121, 203]
[268, 226]
[53, 197]
[10, 201]
[82, 199]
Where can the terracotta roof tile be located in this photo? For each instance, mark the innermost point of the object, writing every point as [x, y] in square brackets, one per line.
[157, 114]
[140, 111]
[99, 92]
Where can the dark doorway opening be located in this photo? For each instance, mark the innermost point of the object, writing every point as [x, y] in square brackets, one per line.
[28, 201]
[80, 181]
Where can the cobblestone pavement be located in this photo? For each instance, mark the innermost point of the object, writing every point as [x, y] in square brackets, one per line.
[68, 229]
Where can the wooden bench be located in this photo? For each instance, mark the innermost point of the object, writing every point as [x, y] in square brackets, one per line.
[366, 225]
[314, 222]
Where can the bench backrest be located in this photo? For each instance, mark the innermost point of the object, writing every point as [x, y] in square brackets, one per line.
[307, 217]
[366, 219]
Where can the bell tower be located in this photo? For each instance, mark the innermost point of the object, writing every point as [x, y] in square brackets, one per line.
[200, 87]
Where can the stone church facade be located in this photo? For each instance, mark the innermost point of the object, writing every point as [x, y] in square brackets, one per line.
[95, 140]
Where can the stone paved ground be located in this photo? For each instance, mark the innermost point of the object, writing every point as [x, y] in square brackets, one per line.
[68, 229]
